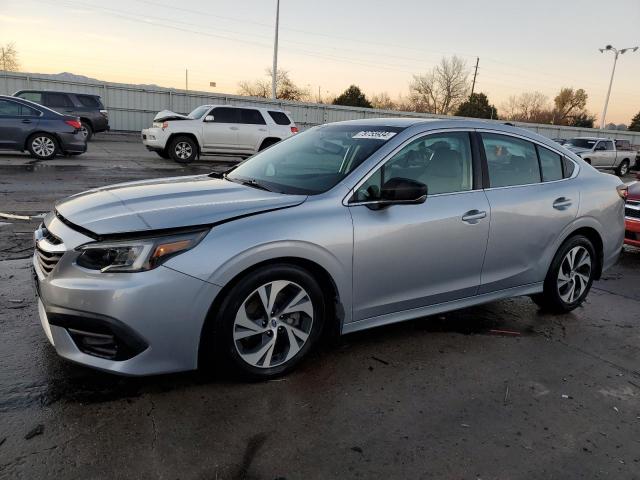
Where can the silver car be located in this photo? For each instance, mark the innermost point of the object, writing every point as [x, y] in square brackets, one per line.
[344, 227]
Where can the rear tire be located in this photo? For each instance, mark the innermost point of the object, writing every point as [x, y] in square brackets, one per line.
[42, 146]
[623, 168]
[259, 344]
[570, 276]
[86, 130]
[183, 149]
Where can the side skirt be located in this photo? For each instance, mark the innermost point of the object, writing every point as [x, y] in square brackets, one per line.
[404, 315]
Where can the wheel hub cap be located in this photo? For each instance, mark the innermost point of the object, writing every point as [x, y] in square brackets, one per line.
[574, 274]
[273, 324]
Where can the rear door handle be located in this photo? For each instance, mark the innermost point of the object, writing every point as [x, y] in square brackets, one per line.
[234, 128]
[562, 203]
[473, 216]
[26, 121]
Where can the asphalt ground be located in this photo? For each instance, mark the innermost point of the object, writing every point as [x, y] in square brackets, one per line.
[499, 391]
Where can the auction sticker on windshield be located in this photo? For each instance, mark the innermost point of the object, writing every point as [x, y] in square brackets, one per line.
[374, 135]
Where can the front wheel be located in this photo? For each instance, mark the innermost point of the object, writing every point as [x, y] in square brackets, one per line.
[269, 321]
[570, 276]
[183, 149]
[42, 146]
[623, 168]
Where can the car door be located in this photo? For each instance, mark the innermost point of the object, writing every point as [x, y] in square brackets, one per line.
[411, 256]
[221, 133]
[17, 121]
[253, 129]
[531, 204]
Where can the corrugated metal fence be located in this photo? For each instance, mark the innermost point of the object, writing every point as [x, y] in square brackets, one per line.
[132, 107]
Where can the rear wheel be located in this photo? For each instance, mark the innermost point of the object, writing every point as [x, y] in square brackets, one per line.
[183, 149]
[42, 146]
[623, 168]
[570, 276]
[269, 321]
[86, 130]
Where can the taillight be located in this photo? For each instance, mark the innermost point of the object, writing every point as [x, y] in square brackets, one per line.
[74, 123]
[623, 191]
[294, 129]
[105, 113]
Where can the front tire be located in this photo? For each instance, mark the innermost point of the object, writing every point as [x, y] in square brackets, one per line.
[183, 149]
[570, 276]
[269, 321]
[623, 168]
[42, 146]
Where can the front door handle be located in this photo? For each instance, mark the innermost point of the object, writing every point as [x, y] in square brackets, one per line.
[473, 216]
[562, 203]
[234, 128]
[26, 121]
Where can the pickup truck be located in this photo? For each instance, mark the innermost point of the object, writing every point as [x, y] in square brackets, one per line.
[216, 129]
[604, 153]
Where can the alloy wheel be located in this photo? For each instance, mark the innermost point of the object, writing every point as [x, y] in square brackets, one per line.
[574, 274]
[43, 146]
[624, 169]
[84, 131]
[273, 324]
[183, 150]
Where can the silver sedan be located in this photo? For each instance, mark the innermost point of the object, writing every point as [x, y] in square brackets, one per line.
[345, 227]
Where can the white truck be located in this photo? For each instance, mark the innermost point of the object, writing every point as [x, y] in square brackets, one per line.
[216, 129]
[604, 153]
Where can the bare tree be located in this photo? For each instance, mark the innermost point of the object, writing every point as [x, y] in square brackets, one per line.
[9, 58]
[383, 101]
[528, 107]
[443, 89]
[286, 89]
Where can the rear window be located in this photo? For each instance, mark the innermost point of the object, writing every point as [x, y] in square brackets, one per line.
[568, 167]
[280, 118]
[252, 117]
[90, 101]
[32, 96]
[550, 165]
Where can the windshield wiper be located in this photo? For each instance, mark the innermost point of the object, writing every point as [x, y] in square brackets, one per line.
[249, 182]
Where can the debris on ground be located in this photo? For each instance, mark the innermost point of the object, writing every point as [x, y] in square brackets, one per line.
[38, 430]
[356, 449]
[384, 362]
[504, 332]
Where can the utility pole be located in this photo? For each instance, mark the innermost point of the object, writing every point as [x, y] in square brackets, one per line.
[475, 74]
[613, 70]
[274, 72]
[186, 79]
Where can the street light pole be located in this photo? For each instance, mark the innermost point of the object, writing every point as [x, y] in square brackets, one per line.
[613, 71]
[274, 70]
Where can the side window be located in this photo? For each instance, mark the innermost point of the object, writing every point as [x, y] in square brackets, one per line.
[608, 145]
[568, 167]
[550, 165]
[88, 101]
[226, 115]
[443, 162]
[511, 161]
[9, 108]
[252, 117]
[32, 96]
[280, 118]
[57, 100]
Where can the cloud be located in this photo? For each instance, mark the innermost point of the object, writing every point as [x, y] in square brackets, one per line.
[21, 20]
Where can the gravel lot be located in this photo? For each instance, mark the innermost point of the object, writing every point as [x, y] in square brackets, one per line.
[499, 391]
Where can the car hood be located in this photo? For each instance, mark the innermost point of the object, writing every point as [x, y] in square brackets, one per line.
[577, 150]
[169, 115]
[168, 203]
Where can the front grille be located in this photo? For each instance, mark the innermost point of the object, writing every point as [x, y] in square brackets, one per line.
[53, 240]
[632, 212]
[47, 260]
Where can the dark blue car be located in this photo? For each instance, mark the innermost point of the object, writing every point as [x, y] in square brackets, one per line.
[25, 125]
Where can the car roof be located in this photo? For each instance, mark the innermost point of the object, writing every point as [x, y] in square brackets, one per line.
[55, 91]
[591, 138]
[273, 109]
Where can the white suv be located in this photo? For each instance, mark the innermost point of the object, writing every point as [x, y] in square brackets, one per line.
[216, 129]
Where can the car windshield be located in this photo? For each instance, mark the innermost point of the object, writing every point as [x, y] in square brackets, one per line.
[198, 112]
[580, 143]
[314, 161]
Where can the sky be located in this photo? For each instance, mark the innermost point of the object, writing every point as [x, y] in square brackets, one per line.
[327, 46]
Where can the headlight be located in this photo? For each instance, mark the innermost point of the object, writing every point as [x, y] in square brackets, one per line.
[135, 255]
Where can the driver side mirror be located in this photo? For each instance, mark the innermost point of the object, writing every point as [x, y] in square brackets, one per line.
[400, 191]
[208, 118]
